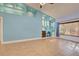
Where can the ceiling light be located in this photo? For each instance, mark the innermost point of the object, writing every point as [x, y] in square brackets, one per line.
[42, 3]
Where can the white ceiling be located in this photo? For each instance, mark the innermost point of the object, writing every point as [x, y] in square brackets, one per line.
[58, 10]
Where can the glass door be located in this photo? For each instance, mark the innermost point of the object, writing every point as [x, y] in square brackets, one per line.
[48, 26]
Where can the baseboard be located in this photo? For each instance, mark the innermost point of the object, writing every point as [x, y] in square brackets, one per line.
[22, 40]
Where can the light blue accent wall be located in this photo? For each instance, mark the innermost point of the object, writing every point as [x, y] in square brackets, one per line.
[21, 27]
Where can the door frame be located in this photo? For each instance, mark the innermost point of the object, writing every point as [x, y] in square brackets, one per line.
[1, 24]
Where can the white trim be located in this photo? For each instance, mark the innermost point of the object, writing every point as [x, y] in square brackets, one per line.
[21, 40]
[1, 19]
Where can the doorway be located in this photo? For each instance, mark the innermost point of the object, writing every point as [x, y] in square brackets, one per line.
[1, 29]
[48, 28]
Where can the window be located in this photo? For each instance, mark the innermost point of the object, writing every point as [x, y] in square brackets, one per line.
[70, 28]
[48, 25]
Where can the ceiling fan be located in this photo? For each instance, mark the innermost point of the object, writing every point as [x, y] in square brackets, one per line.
[41, 4]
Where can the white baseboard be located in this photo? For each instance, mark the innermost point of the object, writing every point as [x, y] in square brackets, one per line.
[22, 40]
